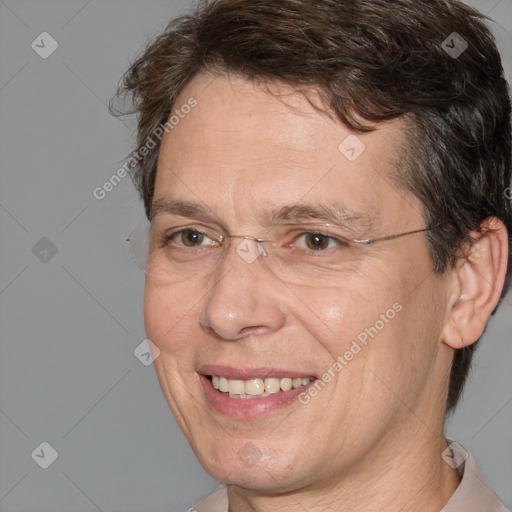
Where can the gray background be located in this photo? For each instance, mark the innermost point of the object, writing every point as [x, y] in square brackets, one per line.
[69, 325]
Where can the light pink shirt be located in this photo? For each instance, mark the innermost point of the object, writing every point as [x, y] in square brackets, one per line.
[472, 495]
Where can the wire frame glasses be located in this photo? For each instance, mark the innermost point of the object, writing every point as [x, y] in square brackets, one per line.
[312, 255]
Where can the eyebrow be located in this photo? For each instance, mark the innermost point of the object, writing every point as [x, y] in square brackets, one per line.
[181, 208]
[332, 213]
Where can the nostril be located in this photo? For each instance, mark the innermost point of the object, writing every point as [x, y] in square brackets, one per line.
[211, 332]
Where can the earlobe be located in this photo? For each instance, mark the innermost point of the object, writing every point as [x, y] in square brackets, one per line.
[478, 282]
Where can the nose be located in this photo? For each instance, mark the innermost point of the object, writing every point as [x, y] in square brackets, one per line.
[245, 299]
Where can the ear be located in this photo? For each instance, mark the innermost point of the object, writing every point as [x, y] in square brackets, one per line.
[478, 282]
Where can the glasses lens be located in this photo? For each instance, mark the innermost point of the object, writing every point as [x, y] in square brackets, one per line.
[139, 242]
[295, 266]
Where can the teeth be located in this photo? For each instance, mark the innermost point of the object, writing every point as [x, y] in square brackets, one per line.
[272, 385]
[286, 384]
[236, 387]
[254, 388]
[223, 384]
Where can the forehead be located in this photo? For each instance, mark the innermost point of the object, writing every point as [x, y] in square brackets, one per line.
[243, 148]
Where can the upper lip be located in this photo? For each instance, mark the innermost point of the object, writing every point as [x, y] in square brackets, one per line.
[245, 373]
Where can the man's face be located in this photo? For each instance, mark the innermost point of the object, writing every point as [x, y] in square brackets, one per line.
[242, 157]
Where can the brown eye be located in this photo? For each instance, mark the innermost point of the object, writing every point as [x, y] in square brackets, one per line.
[191, 237]
[317, 241]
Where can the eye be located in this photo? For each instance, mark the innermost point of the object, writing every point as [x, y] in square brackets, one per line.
[318, 241]
[190, 238]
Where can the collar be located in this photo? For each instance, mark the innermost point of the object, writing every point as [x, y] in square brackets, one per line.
[472, 493]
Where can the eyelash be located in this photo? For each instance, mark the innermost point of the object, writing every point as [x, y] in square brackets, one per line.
[166, 238]
[340, 242]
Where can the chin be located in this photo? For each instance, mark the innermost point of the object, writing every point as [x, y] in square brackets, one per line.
[248, 468]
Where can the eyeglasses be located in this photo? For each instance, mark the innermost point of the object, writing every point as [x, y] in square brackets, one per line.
[307, 254]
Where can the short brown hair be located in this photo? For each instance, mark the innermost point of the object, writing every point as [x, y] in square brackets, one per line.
[372, 61]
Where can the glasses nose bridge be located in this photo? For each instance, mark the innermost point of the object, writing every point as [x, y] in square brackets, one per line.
[246, 237]
[249, 248]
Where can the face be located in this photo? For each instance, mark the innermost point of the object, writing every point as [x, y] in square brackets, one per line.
[352, 330]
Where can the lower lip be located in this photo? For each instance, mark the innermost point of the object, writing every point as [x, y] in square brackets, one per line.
[249, 407]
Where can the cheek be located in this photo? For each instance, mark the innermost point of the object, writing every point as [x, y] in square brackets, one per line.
[367, 329]
[356, 310]
[167, 314]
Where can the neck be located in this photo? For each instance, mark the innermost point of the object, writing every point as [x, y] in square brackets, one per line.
[407, 474]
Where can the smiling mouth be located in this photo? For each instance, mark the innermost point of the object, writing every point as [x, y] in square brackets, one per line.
[257, 388]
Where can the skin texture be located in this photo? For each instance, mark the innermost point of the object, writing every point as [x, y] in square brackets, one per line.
[372, 438]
